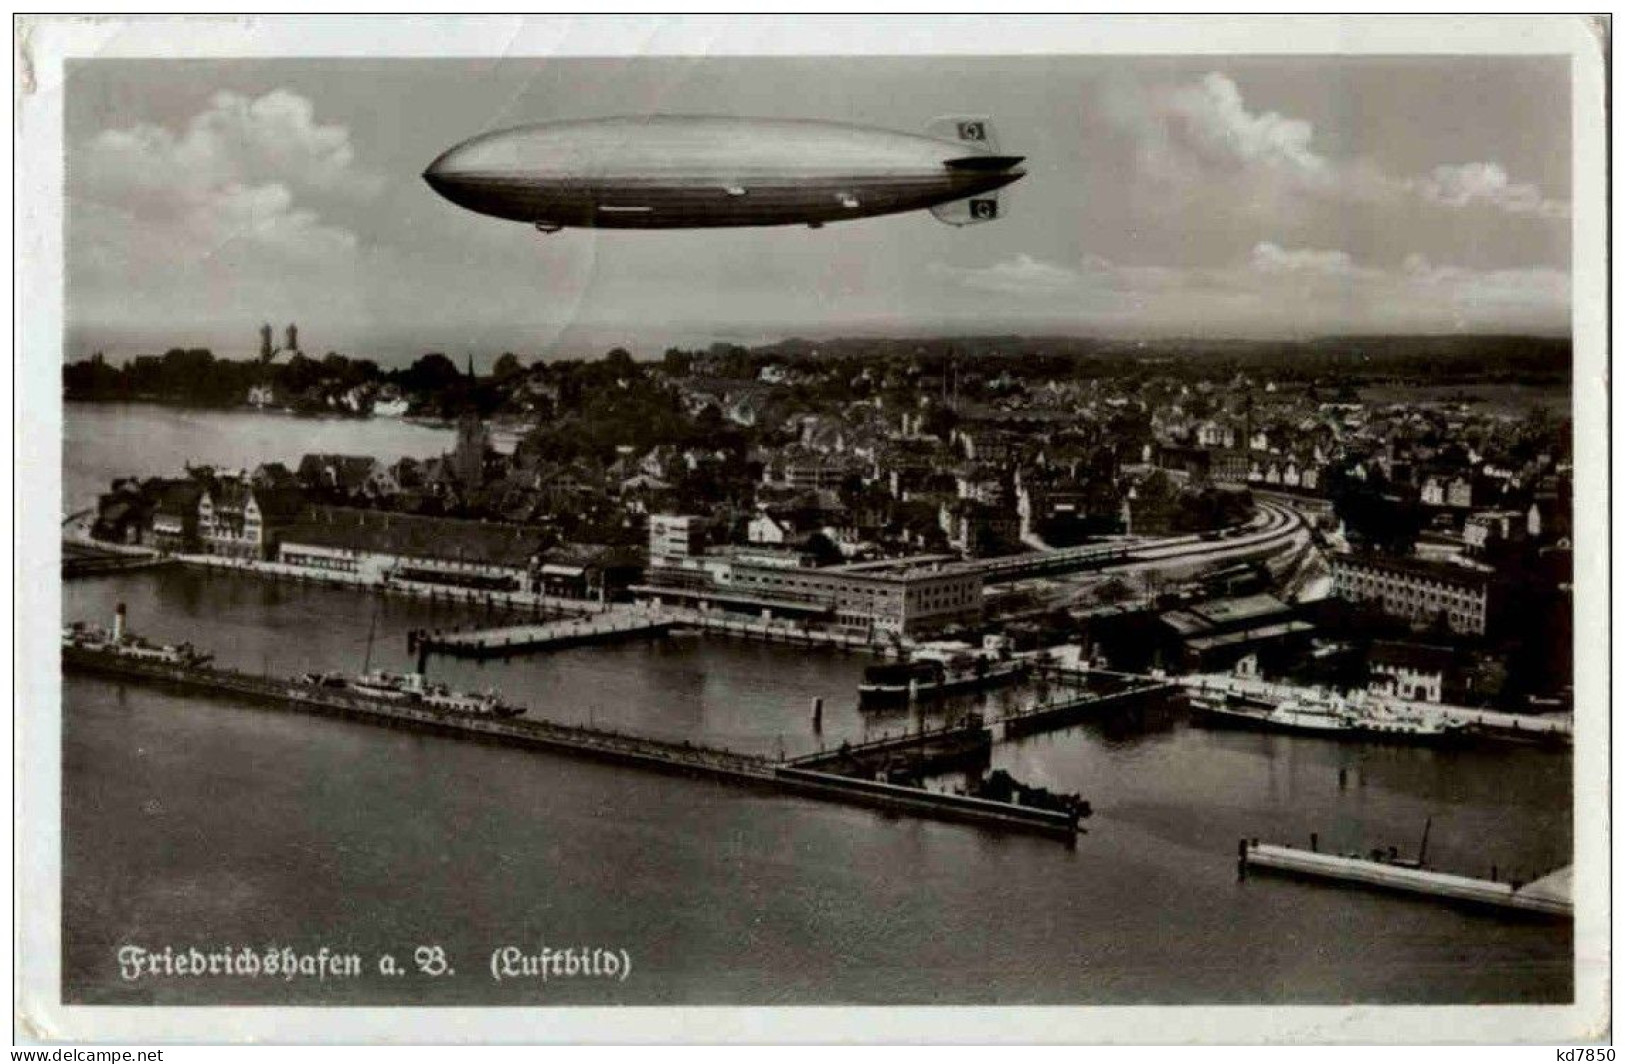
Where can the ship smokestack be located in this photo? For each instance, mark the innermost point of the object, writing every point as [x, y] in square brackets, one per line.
[118, 624]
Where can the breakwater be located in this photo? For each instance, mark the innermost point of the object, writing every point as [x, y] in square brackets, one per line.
[639, 751]
[1549, 896]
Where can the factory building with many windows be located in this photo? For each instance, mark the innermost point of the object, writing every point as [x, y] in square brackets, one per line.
[1422, 592]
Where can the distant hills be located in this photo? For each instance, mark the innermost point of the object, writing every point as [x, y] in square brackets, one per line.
[1456, 358]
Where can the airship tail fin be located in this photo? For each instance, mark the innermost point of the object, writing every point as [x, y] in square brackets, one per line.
[982, 207]
[969, 129]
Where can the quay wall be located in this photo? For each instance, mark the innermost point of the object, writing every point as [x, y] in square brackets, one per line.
[513, 600]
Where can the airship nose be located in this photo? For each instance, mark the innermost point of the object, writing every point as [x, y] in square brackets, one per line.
[438, 174]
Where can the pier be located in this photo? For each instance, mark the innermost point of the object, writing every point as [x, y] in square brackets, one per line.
[1076, 706]
[551, 635]
[1551, 895]
[957, 744]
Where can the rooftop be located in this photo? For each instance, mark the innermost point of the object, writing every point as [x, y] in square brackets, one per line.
[1238, 610]
[1444, 571]
[410, 535]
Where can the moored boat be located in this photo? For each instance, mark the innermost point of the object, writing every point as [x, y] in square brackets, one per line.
[413, 688]
[1233, 710]
[119, 642]
[1312, 712]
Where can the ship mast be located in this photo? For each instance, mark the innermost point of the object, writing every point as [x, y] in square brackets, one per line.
[366, 665]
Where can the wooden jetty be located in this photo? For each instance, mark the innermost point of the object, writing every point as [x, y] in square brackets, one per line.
[550, 635]
[80, 565]
[1550, 895]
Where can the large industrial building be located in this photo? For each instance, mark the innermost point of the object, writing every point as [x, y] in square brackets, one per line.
[902, 597]
[440, 551]
[1422, 592]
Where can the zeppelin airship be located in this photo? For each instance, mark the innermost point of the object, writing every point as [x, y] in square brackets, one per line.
[677, 172]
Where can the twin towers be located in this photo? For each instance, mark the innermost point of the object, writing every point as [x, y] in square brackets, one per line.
[289, 346]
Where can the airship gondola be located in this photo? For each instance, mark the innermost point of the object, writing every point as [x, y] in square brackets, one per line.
[676, 172]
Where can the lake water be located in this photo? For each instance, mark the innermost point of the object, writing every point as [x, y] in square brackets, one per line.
[200, 822]
[106, 440]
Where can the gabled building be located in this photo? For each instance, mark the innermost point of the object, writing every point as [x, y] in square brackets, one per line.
[1484, 530]
[238, 520]
[175, 518]
[348, 475]
[771, 529]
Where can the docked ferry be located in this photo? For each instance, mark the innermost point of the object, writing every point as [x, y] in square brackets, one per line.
[1314, 713]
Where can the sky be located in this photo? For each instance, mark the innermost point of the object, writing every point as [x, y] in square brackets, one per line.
[1166, 196]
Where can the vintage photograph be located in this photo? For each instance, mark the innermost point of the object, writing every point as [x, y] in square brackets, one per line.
[1065, 527]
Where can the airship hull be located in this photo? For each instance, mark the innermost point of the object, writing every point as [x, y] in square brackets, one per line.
[680, 172]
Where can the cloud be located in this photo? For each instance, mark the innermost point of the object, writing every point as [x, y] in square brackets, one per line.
[1202, 140]
[1274, 289]
[1270, 258]
[1021, 275]
[238, 172]
[1211, 118]
[237, 214]
[1487, 184]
